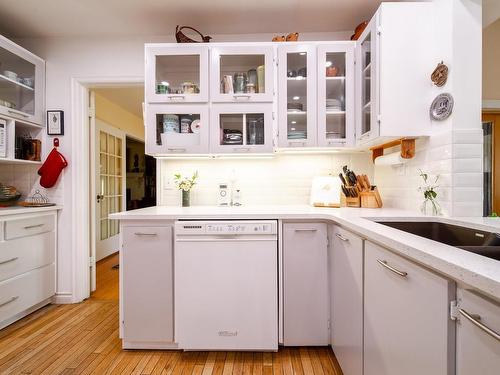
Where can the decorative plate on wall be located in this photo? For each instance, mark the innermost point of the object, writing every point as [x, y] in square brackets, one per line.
[441, 107]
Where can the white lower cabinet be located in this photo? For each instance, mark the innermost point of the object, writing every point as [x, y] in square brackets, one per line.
[27, 263]
[346, 295]
[407, 328]
[146, 282]
[478, 334]
[305, 284]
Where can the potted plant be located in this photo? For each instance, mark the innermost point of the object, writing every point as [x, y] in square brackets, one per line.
[185, 184]
[430, 206]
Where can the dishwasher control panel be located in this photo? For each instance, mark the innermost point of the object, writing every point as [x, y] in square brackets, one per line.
[226, 227]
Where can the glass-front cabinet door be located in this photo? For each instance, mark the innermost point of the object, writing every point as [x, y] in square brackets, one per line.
[177, 129]
[336, 119]
[297, 95]
[367, 125]
[176, 75]
[22, 83]
[241, 128]
[242, 73]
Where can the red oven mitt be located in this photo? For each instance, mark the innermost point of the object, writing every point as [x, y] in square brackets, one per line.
[52, 168]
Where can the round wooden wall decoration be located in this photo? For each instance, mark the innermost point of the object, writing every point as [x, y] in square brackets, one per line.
[440, 75]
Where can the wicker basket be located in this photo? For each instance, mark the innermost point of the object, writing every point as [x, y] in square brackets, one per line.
[182, 38]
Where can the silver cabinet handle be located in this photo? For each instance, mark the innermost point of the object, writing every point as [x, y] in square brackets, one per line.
[474, 319]
[176, 149]
[18, 113]
[34, 226]
[9, 301]
[177, 97]
[390, 268]
[306, 230]
[9, 260]
[341, 237]
[145, 234]
[242, 97]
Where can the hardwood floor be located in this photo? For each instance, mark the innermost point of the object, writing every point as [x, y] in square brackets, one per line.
[107, 279]
[83, 339]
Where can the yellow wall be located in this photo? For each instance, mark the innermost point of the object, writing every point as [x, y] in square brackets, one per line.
[491, 61]
[119, 117]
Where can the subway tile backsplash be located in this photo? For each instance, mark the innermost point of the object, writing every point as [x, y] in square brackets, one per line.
[284, 179]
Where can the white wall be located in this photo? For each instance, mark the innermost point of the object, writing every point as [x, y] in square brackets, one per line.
[109, 58]
[454, 150]
[284, 179]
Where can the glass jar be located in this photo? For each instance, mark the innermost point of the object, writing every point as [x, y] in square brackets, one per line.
[240, 80]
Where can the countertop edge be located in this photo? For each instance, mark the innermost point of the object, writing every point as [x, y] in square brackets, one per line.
[478, 272]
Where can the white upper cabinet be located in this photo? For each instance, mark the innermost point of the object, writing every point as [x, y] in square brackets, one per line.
[395, 58]
[297, 95]
[241, 128]
[22, 83]
[177, 129]
[243, 73]
[176, 74]
[335, 101]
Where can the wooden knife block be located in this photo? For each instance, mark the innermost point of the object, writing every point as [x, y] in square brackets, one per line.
[371, 199]
[349, 201]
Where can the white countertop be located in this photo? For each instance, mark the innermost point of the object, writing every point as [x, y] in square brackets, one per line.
[16, 210]
[477, 271]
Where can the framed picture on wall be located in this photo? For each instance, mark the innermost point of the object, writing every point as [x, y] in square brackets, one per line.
[55, 122]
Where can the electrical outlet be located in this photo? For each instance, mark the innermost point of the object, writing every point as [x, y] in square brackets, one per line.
[168, 183]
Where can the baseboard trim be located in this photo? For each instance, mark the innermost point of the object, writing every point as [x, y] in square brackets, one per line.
[147, 345]
[63, 299]
[24, 313]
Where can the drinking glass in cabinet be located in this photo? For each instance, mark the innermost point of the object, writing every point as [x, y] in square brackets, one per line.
[181, 129]
[242, 74]
[17, 82]
[366, 85]
[297, 96]
[177, 74]
[334, 75]
[242, 129]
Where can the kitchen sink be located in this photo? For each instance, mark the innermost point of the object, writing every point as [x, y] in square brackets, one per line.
[472, 240]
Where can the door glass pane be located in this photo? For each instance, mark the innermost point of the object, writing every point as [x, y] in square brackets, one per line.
[103, 142]
[118, 166]
[104, 208]
[111, 165]
[104, 229]
[178, 74]
[242, 74]
[104, 185]
[118, 146]
[242, 129]
[118, 184]
[366, 67]
[179, 129]
[297, 95]
[231, 129]
[111, 144]
[255, 129]
[335, 95]
[17, 82]
[103, 163]
[111, 186]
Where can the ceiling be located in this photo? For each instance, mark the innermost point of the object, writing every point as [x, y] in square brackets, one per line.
[129, 98]
[55, 18]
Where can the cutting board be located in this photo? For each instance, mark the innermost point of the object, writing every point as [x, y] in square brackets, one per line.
[325, 191]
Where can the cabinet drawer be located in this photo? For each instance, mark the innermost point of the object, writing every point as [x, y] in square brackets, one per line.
[25, 291]
[29, 226]
[21, 255]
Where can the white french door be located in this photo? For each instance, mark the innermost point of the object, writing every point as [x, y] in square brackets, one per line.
[109, 186]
